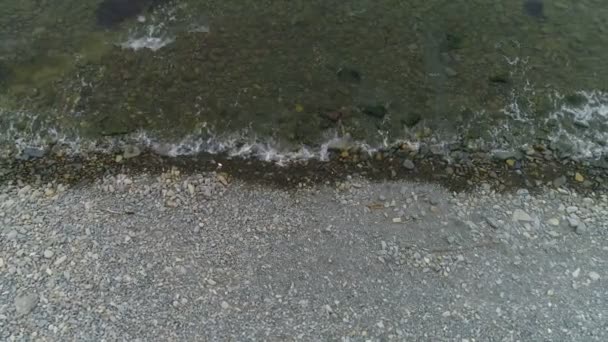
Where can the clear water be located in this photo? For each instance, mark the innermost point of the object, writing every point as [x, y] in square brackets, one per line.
[292, 78]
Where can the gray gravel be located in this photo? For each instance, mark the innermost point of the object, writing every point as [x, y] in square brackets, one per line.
[200, 257]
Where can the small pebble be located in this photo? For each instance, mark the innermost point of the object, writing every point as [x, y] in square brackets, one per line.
[60, 260]
[576, 273]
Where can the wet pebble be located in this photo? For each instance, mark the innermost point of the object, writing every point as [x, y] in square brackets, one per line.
[131, 151]
[408, 164]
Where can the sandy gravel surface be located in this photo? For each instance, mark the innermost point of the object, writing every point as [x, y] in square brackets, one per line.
[202, 257]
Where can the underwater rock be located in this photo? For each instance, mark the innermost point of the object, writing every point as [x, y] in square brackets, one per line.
[374, 110]
[534, 8]
[112, 12]
[5, 74]
[349, 75]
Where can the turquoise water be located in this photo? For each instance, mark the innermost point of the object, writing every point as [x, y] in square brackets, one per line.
[492, 74]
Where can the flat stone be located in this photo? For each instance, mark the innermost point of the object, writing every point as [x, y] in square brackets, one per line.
[492, 222]
[594, 276]
[504, 155]
[571, 209]
[12, 235]
[25, 303]
[48, 254]
[520, 215]
[573, 222]
[553, 221]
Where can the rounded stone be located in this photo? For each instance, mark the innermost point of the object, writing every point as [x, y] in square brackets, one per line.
[48, 253]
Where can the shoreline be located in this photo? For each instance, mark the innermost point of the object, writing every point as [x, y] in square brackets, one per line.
[510, 172]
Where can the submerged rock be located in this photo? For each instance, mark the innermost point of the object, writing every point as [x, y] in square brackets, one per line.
[534, 8]
[374, 110]
[112, 12]
[5, 74]
[349, 75]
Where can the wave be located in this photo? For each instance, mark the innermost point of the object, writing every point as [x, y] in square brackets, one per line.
[579, 129]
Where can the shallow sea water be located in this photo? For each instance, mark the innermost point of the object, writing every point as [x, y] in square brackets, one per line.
[293, 79]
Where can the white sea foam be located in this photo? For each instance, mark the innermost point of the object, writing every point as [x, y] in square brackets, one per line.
[152, 43]
[153, 37]
[583, 127]
[160, 28]
[236, 145]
